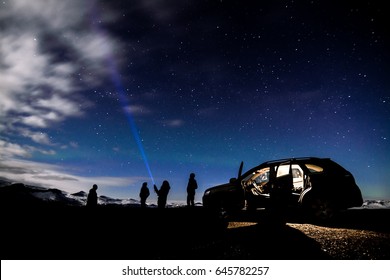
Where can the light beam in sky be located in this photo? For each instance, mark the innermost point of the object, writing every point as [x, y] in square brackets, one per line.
[122, 98]
[115, 78]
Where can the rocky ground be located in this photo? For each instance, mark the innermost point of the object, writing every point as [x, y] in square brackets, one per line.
[352, 235]
[344, 243]
[324, 242]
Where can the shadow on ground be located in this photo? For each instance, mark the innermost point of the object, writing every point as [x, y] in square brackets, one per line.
[135, 233]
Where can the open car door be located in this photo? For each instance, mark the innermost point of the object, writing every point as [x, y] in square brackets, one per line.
[240, 170]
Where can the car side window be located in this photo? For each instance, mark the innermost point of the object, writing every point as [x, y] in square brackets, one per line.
[296, 174]
[314, 168]
[283, 170]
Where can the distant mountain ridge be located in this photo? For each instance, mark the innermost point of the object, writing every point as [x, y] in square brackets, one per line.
[21, 193]
[371, 203]
[17, 193]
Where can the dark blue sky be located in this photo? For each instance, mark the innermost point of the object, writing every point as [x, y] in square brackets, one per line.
[114, 92]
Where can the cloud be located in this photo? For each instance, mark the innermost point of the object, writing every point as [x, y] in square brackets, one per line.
[58, 104]
[35, 121]
[10, 150]
[53, 176]
[138, 110]
[49, 53]
[173, 123]
[37, 137]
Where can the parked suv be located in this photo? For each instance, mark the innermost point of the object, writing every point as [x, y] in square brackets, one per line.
[319, 186]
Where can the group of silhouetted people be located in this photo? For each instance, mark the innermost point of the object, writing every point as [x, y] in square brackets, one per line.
[162, 193]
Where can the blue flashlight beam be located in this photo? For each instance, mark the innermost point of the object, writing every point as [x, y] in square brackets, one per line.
[122, 97]
[115, 77]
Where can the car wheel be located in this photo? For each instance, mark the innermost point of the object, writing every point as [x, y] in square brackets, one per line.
[320, 209]
[218, 216]
[221, 219]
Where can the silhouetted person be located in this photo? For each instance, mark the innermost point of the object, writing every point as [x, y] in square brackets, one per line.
[92, 198]
[144, 194]
[191, 187]
[162, 194]
[280, 196]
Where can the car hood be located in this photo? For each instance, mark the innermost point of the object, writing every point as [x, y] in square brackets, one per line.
[221, 187]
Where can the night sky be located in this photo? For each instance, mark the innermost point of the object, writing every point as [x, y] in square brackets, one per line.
[116, 93]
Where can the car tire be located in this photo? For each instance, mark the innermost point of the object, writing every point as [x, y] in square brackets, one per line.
[319, 209]
[218, 218]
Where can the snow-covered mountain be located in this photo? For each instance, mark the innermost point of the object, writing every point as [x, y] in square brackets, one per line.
[12, 192]
[381, 204]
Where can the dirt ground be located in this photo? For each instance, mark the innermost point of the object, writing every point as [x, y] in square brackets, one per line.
[332, 243]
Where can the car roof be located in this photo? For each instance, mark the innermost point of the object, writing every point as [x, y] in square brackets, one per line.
[293, 159]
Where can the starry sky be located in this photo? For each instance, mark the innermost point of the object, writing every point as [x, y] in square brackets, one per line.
[116, 93]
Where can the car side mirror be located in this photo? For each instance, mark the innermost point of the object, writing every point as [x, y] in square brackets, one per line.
[232, 180]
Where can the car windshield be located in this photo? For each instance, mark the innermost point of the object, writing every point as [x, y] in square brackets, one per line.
[260, 176]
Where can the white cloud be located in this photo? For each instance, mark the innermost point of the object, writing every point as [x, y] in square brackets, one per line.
[34, 121]
[94, 47]
[63, 106]
[173, 123]
[42, 112]
[60, 14]
[7, 102]
[10, 150]
[53, 176]
[38, 87]
[23, 63]
[37, 137]
[137, 110]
